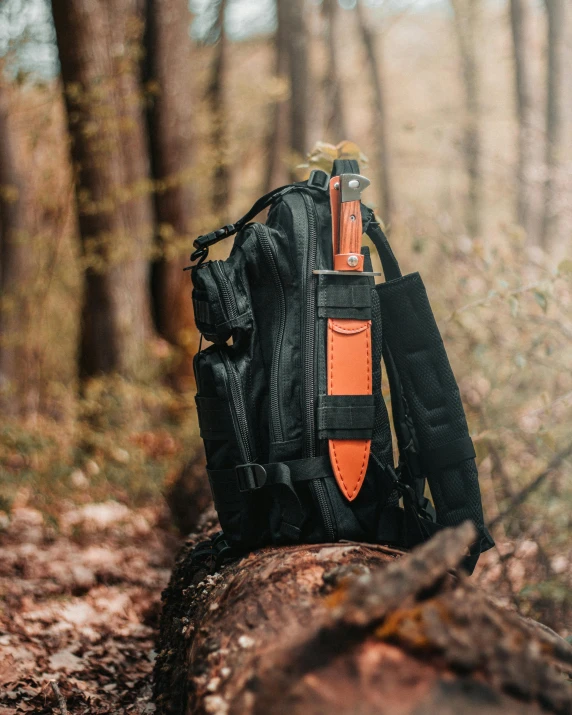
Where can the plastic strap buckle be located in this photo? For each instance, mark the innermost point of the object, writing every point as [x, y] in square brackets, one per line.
[250, 477]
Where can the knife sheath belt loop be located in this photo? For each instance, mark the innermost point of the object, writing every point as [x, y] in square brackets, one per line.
[349, 363]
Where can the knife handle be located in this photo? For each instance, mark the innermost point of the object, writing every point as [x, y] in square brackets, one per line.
[350, 234]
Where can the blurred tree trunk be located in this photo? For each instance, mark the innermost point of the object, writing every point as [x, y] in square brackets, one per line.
[467, 18]
[218, 121]
[295, 34]
[552, 224]
[168, 71]
[99, 47]
[276, 139]
[519, 11]
[15, 267]
[371, 42]
[335, 126]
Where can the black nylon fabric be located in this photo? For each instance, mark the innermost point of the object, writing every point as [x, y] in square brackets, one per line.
[266, 311]
[433, 398]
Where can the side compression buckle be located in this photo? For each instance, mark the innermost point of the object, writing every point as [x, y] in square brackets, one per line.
[250, 477]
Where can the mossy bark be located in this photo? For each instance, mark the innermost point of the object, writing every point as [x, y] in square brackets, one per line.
[350, 628]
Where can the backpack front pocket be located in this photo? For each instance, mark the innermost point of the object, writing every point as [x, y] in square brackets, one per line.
[224, 412]
[221, 301]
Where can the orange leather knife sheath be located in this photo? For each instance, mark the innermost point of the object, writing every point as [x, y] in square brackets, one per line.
[349, 369]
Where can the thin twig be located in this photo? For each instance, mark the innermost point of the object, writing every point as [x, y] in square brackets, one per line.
[60, 698]
[523, 495]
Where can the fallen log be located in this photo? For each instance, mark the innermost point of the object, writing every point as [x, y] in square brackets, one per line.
[350, 628]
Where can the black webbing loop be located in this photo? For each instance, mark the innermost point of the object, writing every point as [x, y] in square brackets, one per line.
[227, 491]
[334, 295]
[345, 416]
[345, 166]
[230, 488]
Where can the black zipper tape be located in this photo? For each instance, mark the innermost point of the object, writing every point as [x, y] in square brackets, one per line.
[317, 485]
[275, 410]
[239, 411]
[229, 299]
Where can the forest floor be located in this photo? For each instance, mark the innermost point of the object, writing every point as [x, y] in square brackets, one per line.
[80, 603]
[79, 607]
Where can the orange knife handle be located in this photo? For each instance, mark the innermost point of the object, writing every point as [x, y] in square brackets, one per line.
[335, 203]
[350, 228]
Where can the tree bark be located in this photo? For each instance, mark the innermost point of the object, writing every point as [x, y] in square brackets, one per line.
[99, 47]
[218, 121]
[295, 34]
[335, 129]
[15, 274]
[467, 18]
[552, 223]
[382, 152]
[276, 140]
[168, 71]
[349, 628]
[519, 20]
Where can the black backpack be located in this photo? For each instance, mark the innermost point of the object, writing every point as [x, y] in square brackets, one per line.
[263, 403]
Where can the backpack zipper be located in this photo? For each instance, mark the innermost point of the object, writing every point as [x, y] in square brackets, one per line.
[223, 285]
[310, 330]
[309, 371]
[239, 409]
[276, 416]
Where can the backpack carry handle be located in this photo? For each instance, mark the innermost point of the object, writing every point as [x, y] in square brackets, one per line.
[202, 243]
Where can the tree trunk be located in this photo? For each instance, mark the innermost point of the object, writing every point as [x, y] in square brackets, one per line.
[276, 140]
[218, 120]
[99, 45]
[15, 266]
[335, 129]
[467, 16]
[552, 223]
[382, 153]
[349, 628]
[298, 71]
[519, 11]
[170, 116]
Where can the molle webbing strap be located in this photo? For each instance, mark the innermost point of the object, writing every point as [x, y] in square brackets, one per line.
[345, 416]
[229, 490]
[343, 300]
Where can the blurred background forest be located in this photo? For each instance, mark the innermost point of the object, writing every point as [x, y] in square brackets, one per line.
[128, 127]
